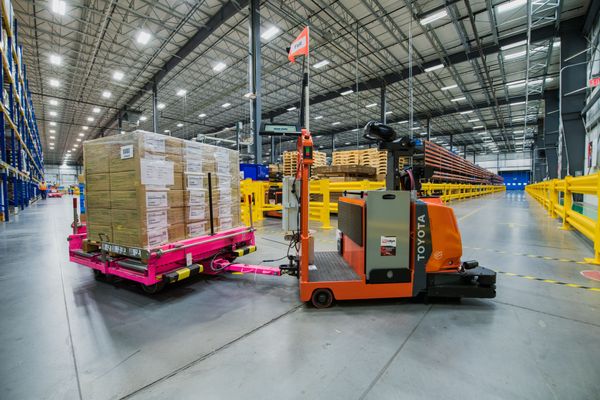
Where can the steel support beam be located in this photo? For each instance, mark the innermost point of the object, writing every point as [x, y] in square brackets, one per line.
[383, 103]
[550, 143]
[155, 108]
[572, 77]
[255, 77]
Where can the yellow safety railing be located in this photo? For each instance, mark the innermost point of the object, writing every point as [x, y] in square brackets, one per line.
[324, 195]
[456, 191]
[549, 194]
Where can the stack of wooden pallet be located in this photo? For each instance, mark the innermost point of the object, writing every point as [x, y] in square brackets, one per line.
[367, 157]
[345, 173]
[290, 159]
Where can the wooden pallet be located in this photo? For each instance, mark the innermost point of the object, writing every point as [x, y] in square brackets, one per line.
[290, 159]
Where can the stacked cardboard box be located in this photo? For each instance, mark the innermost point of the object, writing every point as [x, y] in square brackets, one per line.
[144, 189]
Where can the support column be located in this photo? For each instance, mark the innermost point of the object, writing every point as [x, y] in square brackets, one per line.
[272, 149]
[255, 77]
[332, 143]
[451, 141]
[155, 107]
[572, 99]
[465, 151]
[550, 140]
[383, 103]
[428, 129]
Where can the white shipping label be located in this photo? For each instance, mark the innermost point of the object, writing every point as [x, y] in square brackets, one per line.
[157, 237]
[126, 152]
[196, 197]
[157, 219]
[188, 259]
[196, 212]
[194, 181]
[157, 200]
[156, 172]
[198, 229]
[194, 166]
[155, 144]
[225, 223]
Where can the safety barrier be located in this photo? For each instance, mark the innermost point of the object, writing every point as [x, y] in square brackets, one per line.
[456, 191]
[324, 195]
[550, 193]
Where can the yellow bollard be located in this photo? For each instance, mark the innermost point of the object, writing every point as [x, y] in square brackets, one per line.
[567, 204]
[596, 259]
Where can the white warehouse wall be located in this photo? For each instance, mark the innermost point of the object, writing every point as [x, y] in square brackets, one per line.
[63, 175]
[503, 162]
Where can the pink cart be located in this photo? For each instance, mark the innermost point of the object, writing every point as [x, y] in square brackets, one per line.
[154, 268]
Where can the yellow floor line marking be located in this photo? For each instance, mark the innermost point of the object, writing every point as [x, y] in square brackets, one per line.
[552, 281]
[566, 260]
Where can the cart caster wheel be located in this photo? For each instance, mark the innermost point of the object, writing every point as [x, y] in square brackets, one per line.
[322, 298]
[99, 276]
[153, 289]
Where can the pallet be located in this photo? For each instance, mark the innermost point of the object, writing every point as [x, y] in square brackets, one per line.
[341, 173]
[290, 159]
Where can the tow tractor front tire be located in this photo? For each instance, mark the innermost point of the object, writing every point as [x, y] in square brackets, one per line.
[322, 298]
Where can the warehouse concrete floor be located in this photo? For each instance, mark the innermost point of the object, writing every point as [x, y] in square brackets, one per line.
[66, 336]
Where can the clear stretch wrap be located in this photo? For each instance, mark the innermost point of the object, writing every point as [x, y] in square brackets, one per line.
[145, 189]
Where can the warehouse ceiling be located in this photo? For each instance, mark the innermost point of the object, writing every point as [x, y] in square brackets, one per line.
[478, 72]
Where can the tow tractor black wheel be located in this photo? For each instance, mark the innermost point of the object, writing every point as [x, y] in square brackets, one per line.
[99, 276]
[153, 289]
[322, 298]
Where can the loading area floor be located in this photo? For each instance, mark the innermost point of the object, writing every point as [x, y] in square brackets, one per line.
[66, 336]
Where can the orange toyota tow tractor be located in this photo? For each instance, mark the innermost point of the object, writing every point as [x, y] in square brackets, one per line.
[391, 243]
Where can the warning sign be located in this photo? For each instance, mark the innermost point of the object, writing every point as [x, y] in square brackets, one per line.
[387, 246]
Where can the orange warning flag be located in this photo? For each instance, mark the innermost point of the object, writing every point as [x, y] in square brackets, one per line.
[299, 46]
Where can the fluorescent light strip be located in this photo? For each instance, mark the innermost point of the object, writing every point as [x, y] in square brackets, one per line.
[459, 99]
[371, 105]
[346, 92]
[433, 17]
[515, 55]
[270, 33]
[512, 45]
[434, 68]
[449, 87]
[509, 5]
[321, 64]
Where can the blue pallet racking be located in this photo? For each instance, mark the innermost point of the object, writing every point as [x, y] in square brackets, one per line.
[21, 156]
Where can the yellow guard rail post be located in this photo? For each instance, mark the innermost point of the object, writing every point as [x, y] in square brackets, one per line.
[547, 193]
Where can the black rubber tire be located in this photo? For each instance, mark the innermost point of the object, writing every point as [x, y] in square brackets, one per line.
[322, 298]
[99, 276]
[153, 289]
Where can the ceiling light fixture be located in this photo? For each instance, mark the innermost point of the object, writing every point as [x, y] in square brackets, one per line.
[512, 45]
[291, 108]
[181, 92]
[167, 131]
[434, 16]
[336, 123]
[226, 105]
[52, 123]
[434, 68]
[473, 120]
[90, 119]
[85, 128]
[96, 110]
[512, 56]
[466, 112]
[118, 75]
[371, 105]
[320, 64]
[270, 33]
[81, 134]
[53, 102]
[459, 99]
[52, 131]
[319, 117]
[179, 125]
[345, 92]
[143, 118]
[106, 94]
[54, 83]
[202, 115]
[220, 66]
[143, 37]
[59, 7]
[479, 127]
[449, 87]
[160, 106]
[509, 5]
[55, 59]
[53, 113]
[52, 137]
[388, 112]
[79, 140]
